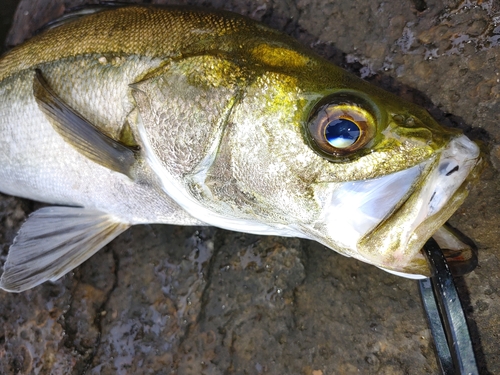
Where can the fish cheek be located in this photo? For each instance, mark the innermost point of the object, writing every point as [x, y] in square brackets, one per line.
[251, 188]
[263, 167]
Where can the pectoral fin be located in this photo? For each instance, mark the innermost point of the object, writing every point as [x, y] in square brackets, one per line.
[53, 241]
[80, 133]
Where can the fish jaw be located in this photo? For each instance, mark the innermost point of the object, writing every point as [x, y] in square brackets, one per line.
[356, 208]
[395, 245]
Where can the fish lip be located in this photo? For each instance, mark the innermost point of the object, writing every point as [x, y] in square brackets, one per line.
[398, 249]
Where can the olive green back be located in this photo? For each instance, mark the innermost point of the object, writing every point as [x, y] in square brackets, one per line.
[146, 31]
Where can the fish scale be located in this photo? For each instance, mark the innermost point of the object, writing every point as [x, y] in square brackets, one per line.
[144, 31]
[187, 116]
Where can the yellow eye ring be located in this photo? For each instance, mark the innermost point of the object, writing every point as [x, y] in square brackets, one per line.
[341, 129]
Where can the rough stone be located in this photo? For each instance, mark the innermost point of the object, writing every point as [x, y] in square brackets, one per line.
[174, 300]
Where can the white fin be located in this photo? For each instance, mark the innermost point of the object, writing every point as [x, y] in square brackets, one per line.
[53, 241]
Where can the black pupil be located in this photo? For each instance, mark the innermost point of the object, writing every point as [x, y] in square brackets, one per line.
[342, 133]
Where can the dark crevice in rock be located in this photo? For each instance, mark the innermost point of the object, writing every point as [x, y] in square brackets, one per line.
[290, 26]
[205, 292]
[101, 313]
[69, 333]
[465, 299]
[476, 134]
[232, 351]
[232, 328]
[204, 298]
[10, 223]
[304, 259]
[420, 5]
[295, 304]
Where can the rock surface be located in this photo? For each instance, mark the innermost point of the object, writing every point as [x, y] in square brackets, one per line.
[184, 300]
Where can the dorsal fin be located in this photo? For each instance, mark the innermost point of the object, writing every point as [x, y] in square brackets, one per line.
[78, 12]
[80, 133]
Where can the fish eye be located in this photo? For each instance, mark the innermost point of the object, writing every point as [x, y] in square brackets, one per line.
[342, 133]
[340, 128]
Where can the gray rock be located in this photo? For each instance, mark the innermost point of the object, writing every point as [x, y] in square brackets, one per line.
[183, 300]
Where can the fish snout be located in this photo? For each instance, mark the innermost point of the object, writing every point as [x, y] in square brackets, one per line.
[395, 245]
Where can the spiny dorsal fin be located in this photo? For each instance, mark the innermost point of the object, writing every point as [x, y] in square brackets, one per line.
[71, 16]
[53, 241]
[80, 133]
[78, 12]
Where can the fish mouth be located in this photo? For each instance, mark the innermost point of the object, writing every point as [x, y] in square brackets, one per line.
[395, 244]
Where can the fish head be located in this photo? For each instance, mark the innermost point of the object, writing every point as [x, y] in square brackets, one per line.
[315, 152]
[299, 147]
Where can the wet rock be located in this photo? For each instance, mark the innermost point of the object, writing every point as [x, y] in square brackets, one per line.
[495, 157]
[173, 300]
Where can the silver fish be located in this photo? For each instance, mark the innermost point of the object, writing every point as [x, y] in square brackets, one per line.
[191, 117]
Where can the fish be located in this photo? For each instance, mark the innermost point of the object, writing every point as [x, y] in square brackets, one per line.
[186, 116]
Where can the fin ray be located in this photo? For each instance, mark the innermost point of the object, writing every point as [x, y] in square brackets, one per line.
[79, 132]
[53, 241]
